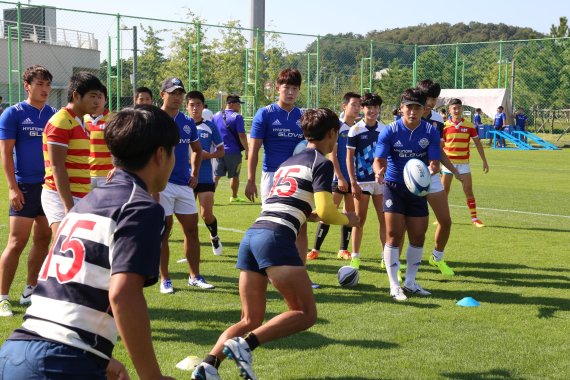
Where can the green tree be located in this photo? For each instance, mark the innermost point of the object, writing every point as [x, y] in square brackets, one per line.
[151, 60]
[561, 30]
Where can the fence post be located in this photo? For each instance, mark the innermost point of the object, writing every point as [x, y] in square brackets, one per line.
[456, 65]
[135, 62]
[370, 79]
[415, 67]
[109, 76]
[20, 82]
[10, 68]
[118, 104]
[198, 43]
[500, 62]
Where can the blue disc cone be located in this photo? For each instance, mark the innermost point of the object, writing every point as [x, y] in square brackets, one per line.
[468, 302]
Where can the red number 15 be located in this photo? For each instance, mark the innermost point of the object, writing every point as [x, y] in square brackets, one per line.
[284, 180]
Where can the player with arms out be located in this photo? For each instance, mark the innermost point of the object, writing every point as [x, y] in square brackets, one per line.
[407, 138]
[302, 183]
[107, 250]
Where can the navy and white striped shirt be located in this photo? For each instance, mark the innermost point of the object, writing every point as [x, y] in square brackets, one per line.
[116, 228]
[362, 139]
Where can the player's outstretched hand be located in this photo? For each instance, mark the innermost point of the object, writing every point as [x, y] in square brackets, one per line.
[353, 219]
[251, 191]
[116, 370]
[314, 218]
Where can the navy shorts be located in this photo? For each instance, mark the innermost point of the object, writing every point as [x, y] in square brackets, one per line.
[336, 190]
[205, 188]
[261, 248]
[33, 201]
[398, 199]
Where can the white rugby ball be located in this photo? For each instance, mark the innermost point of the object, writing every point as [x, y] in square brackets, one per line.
[300, 147]
[417, 177]
[347, 276]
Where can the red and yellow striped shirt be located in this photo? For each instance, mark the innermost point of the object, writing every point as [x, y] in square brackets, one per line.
[100, 159]
[456, 138]
[66, 129]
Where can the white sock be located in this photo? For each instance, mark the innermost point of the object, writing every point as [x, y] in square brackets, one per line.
[28, 289]
[392, 262]
[4, 297]
[413, 259]
[355, 255]
[437, 255]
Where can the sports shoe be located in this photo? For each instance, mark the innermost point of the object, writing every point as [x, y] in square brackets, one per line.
[315, 286]
[200, 282]
[5, 309]
[216, 246]
[442, 265]
[26, 297]
[313, 255]
[237, 200]
[238, 350]
[382, 264]
[398, 294]
[343, 254]
[415, 288]
[355, 262]
[399, 274]
[205, 371]
[477, 222]
[166, 287]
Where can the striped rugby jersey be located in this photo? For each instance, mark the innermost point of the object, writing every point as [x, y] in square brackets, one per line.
[290, 200]
[116, 228]
[100, 159]
[362, 139]
[456, 137]
[66, 129]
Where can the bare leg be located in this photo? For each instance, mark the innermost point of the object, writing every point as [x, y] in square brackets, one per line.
[165, 249]
[39, 250]
[20, 229]
[189, 224]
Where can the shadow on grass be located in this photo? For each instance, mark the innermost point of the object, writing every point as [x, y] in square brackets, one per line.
[491, 227]
[491, 374]
[482, 265]
[341, 377]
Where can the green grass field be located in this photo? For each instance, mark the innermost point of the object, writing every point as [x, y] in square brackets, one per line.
[518, 267]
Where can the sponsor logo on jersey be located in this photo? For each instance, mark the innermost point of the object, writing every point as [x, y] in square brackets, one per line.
[28, 121]
[398, 144]
[276, 122]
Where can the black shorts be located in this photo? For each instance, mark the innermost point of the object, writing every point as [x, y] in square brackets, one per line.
[33, 201]
[205, 188]
[398, 199]
[336, 190]
[229, 163]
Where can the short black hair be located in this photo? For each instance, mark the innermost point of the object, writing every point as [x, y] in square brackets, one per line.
[478, 110]
[350, 95]
[317, 122]
[143, 89]
[455, 101]
[134, 134]
[291, 77]
[196, 95]
[82, 83]
[413, 96]
[369, 99]
[500, 108]
[430, 88]
[36, 72]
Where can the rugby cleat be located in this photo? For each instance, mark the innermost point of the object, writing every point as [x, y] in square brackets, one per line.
[416, 289]
[442, 266]
[238, 350]
[205, 371]
[313, 255]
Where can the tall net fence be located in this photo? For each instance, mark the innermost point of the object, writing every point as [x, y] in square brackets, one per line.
[127, 52]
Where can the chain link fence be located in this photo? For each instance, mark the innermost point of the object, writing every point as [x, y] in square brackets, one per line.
[127, 52]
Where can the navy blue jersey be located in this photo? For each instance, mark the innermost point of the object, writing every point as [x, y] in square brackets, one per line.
[477, 120]
[362, 139]
[341, 150]
[188, 133]
[500, 119]
[520, 120]
[210, 140]
[399, 144]
[290, 200]
[25, 124]
[280, 131]
[116, 228]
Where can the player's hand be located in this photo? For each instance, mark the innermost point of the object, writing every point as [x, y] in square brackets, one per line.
[356, 190]
[193, 182]
[111, 174]
[245, 155]
[342, 185]
[485, 167]
[16, 199]
[353, 219]
[379, 177]
[251, 191]
[116, 370]
[313, 217]
[458, 176]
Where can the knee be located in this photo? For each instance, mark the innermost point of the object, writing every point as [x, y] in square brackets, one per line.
[309, 317]
[445, 223]
[16, 244]
[250, 323]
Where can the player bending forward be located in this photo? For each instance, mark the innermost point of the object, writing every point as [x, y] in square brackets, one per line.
[302, 183]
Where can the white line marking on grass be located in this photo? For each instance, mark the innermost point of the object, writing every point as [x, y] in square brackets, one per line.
[515, 211]
[227, 229]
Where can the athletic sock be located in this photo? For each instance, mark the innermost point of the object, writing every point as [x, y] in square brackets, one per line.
[472, 208]
[345, 233]
[413, 260]
[4, 297]
[213, 228]
[392, 260]
[251, 340]
[355, 255]
[322, 231]
[437, 255]
[212, 360]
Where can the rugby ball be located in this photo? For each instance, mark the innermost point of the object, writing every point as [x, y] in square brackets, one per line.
[417, 177]
[347, 276]
[300, 147]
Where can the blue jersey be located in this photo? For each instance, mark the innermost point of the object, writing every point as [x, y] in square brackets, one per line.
[188, 134]
[280, 131]
[362, 139]
[341, 150]
[210, 140]
[477, 120]
[521, 120]
[25, 124]
[229, 129]
[500, 119]
[399, 144]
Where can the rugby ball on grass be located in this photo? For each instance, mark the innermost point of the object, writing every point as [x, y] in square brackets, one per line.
[417, 177]
[347, 276]
[300, 147]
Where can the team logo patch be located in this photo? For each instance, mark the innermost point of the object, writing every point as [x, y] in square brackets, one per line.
[424, 143]
[187, 129]
[389, 203]
[299, 123]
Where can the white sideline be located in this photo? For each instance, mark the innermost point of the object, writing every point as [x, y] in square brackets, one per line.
[515, 211]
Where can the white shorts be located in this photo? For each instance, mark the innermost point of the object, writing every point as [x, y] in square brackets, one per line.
[178, 199]
[266, 185]
[98, 182]
[461, 168]
[53, 206]
[436, 185]
[372, 188]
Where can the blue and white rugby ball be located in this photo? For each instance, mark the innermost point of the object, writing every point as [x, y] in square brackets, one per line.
[347, 276]
[300, 147]
[417, 177]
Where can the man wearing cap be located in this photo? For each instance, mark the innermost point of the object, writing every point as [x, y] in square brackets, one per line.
[231, 127]
[178, 196]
